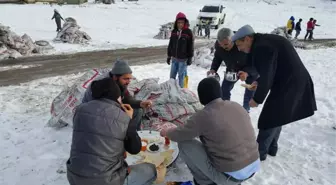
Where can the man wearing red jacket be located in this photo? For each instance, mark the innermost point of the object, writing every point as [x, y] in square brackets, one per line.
[310, 26]
[180, 48]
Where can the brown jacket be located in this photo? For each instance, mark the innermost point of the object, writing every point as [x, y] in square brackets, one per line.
[225, 129]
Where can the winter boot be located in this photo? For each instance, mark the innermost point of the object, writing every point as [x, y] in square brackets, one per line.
[272, 151]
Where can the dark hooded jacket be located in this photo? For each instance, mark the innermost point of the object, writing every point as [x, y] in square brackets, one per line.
[181, 44]
[282, 75]
[234, 60]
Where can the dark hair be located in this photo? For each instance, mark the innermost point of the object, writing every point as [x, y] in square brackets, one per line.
[105, 88]
[311, 19]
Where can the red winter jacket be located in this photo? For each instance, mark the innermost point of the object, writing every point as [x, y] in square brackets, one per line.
[310, 25]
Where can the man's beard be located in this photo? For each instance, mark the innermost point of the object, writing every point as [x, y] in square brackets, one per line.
[122, 87]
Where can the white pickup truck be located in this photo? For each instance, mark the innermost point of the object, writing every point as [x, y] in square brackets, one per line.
[213, 13]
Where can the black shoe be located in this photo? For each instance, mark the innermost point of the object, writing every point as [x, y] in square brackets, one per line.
[263, 157]
[273, 152]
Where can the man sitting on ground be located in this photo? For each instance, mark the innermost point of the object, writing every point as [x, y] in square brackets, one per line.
[228, 152]
[121, 73]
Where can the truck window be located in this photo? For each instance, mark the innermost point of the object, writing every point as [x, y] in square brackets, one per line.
[213, 9]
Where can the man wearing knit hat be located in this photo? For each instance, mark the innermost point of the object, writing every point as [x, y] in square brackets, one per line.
[180, 49]
[122, 74]
[284, 77]
[226, 134]
[235, 62]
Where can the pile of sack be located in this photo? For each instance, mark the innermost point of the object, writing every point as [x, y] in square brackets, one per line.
[172, 105]
[14, 46]
[165, 31]
[70, 33]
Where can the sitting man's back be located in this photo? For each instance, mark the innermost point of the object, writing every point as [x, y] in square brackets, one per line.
[228, 151]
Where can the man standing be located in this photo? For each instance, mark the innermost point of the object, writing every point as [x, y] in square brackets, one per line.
[282, 75]
[290, 25]
[298, 28]
[122, 74]
[310, 26]
[57, 16]
[227, 152]
[180, 48]
[235, 61]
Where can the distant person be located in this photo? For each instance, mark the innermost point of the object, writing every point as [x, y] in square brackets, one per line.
[207, 29]
[290, 25]
[284, 85]
[310, 25]
[103, 130]
[235, 62]
[227, 152]
[180, 49]
[311, 37]
[298, 28]
[199, 28]
[57, 16]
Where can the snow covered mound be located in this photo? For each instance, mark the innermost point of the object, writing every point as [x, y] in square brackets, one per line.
[14, 46]
[165, 31]
[282, 32]
[70, 33]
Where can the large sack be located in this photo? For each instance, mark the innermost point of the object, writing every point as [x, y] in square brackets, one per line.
[63, 106]
[170, 102]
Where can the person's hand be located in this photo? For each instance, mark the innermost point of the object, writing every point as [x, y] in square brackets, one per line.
[189, 61]
[252, 103]
[128, 109]
[211, 72]
[242, 75]
[163, 132]
[254, 86]
[146, 104]
[168, 60]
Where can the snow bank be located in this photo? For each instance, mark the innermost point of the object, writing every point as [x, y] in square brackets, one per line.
[70, 33]
[14, 46]
[165, 31]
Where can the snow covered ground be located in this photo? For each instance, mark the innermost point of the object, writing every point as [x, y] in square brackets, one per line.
[135, 24]
[34, 154]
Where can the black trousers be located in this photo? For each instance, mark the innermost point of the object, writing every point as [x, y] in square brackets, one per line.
[268, 140]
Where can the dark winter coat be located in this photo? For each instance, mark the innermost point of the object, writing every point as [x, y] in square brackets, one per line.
[234, 59]
[298, 26]
[57, 16]
[126, 97]
[282, 72]
[181, 45]
[102, 132]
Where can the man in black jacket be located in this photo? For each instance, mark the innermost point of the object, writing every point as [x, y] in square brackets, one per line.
[57, 16]
[235, 61]
[180, 49]
[298, 28]
[121, 73]
[282, 75]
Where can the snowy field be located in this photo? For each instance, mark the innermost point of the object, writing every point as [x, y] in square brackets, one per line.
[32, 153]
[127, 24]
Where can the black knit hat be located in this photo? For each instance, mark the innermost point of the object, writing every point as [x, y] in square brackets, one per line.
[208, 90]
[105, 88]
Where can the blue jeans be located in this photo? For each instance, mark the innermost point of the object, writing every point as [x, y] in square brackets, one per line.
[227, 86]
[194, 155]
[141, 174]
[180, 68]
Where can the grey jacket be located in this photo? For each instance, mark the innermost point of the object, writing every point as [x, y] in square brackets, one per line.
[226, 132]
[96, 157]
